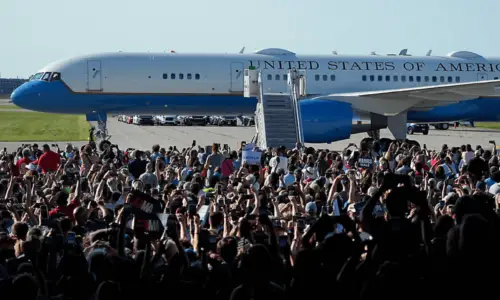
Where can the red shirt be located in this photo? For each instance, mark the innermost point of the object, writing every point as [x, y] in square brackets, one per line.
[21, 165]
[66, 210]
[49, 161]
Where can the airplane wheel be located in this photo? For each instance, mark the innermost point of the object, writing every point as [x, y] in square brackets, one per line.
[104, 144]
[445, 126]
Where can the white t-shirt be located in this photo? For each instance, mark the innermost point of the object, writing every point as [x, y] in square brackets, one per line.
[467, 156]
[283, 163]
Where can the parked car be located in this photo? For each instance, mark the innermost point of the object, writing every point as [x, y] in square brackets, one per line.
[166, 120]
[420, 128]
[227, 120]
[143, 120]
[213, 120]
[248, 120]
[196, 120]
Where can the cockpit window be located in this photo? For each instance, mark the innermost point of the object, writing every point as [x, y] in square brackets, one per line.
[55, 76]
[46, 76]
[37, 76]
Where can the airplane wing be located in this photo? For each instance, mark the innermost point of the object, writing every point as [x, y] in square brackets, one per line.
[393, 102]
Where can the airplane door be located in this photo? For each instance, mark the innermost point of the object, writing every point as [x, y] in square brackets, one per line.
[482, 76]
[237, 77]
[94, 78]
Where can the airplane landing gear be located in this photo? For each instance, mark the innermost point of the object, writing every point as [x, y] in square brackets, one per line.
[100, 135]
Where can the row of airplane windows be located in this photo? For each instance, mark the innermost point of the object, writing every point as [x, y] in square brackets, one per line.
[181, 76]
[395, 78]
[403, 78]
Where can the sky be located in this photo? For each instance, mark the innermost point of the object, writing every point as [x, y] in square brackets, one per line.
[33, 33]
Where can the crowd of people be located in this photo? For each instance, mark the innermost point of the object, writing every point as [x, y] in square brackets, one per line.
[403, 221]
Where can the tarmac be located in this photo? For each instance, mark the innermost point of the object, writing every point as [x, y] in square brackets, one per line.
[143, 137]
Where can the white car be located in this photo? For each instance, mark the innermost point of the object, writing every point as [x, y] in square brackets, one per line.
[166, 120]
[143, 120]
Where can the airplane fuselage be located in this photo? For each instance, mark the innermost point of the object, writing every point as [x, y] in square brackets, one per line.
[174, 83]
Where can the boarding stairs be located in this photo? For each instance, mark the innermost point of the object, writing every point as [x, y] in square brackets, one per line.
[277, 117]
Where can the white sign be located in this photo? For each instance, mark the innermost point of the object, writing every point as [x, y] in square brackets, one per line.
[251, 157]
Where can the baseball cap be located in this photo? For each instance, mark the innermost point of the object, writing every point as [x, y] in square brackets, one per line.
[311, 207]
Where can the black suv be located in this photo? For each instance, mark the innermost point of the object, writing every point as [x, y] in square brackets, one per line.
[413, 128]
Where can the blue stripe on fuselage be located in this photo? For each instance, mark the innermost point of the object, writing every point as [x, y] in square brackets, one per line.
[55, 97]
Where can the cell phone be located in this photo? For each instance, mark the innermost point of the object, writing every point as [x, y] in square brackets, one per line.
[301, 223]
[194, 143]
[248, 197]
[492, 142]
[71, 238]
[292, 192]
[425, 146]
[283, 241]
[192, 209]
[212, 239]
[44, 211]
[226, 146]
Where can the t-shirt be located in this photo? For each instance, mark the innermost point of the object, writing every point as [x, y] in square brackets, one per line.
[66, 210]
[495, 189]
[49, 161]
[276, 163]
[21, 165]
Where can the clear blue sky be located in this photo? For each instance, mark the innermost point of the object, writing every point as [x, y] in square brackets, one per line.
[34, 33]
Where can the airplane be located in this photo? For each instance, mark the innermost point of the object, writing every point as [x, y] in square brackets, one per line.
[388, 91]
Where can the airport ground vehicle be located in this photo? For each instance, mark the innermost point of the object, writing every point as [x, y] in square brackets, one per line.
[446, 126]
[417, 128]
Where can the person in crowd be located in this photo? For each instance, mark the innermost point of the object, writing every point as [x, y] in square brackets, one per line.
[372, 220]
[49, 161]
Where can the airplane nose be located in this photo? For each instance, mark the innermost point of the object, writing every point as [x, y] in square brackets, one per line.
[18, 96]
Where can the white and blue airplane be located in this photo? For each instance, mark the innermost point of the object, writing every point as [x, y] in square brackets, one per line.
[458, 86]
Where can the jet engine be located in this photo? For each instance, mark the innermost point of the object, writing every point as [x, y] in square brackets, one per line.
[326, 121]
